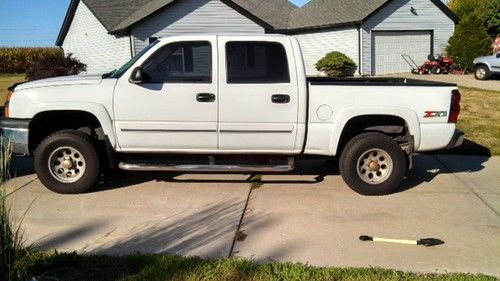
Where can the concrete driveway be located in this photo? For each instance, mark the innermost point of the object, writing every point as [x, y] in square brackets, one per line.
[308, 216]
[460, 80]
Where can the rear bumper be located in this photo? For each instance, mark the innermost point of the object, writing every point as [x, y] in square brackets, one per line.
[456, 140]
[16, 131]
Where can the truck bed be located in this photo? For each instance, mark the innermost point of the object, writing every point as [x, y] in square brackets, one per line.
[372, 81]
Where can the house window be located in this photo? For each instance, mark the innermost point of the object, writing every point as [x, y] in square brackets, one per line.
[256, 62]
[183, 62]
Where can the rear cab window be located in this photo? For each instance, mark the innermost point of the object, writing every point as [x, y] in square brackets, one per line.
[256, 62]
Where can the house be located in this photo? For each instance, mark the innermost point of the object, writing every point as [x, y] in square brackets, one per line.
[374, 33]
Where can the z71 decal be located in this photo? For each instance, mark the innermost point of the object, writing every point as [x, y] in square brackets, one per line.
[433, 114]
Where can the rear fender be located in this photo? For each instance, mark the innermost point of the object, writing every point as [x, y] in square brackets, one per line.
[347, 114]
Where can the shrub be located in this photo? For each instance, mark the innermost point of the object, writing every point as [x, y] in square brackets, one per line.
[469, 41]
[336, 64]
[52, 66]
[16, 60]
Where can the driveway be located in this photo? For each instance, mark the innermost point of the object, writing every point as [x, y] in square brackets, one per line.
[309, 216]
[460, 80]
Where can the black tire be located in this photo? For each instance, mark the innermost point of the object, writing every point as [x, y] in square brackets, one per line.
[351, 160]
[482, 73]
[82, 144]
[436, 70]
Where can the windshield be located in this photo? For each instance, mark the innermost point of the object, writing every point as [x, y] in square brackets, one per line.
[118, 73]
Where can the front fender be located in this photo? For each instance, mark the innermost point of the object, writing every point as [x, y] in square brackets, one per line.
[346, 114]
[98, 110]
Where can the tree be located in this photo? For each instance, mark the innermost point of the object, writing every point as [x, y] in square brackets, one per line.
[488, 12]
[469, 41]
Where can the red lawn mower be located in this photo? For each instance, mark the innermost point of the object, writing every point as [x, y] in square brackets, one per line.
[435, 64]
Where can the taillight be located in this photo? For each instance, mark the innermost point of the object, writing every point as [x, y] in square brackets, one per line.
[7, 101]
[455, 106]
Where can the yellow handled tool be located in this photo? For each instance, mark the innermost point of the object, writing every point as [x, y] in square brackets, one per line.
[427, 242]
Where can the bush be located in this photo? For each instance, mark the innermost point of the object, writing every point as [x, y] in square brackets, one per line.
[16, 60]
[469, 41]
[336, 64]
[52, 66]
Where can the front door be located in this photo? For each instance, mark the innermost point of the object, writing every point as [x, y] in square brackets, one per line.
[258, 105]
[175, 109]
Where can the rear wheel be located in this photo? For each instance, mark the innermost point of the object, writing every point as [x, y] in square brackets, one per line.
[373, 164]
[67, 162]
[482, 73]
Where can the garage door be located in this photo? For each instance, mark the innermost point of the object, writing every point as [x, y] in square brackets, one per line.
[389, 46]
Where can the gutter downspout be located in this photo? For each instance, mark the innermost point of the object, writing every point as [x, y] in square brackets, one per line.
[360, 50]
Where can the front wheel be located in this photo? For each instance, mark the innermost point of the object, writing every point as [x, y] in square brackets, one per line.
[436, 70]
[373, 164]
[67, 162]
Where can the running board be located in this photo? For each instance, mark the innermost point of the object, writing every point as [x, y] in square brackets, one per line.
[137, 166]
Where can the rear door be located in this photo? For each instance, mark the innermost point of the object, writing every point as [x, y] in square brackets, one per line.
[258, 95]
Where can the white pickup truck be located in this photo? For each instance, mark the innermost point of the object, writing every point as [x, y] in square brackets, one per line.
[232, 103]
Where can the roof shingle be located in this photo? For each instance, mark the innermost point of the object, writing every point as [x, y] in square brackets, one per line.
[278, 15]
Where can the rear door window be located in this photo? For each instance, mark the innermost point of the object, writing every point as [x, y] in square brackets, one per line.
[256, 62]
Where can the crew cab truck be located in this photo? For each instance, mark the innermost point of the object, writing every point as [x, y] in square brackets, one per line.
[235, 103]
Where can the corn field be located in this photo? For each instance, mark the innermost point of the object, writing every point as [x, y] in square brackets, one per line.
[16, 60]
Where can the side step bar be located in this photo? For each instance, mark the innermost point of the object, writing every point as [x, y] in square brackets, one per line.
[138, 166]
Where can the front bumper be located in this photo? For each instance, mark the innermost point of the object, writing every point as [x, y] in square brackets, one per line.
[456, 140]
[16, 131]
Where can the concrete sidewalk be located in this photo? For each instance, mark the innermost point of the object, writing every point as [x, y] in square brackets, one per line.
[308, 216]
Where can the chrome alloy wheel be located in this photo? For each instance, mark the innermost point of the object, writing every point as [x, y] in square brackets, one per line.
[375, 166]
[480, 73]
[66, 164]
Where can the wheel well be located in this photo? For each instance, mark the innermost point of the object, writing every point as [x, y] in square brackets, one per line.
[390, 125]
[45, 123]
[481, 64]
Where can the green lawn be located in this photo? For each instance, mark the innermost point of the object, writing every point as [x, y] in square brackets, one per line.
[479, 120]
[6, 80]
[479, 117]
[165, 267]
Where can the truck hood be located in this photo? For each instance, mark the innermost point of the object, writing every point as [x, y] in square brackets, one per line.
[61, 81]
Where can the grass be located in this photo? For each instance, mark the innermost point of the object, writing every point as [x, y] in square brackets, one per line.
[71, 266]
[6, 80]
[12, 250]
[479, 120]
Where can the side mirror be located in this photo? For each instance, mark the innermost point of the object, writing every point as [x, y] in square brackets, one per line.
[137, 76]
[498, 55]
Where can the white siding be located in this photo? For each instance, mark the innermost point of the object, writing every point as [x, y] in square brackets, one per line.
[316, 45]
[89, 41]
[398, 16]
[193, 16]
